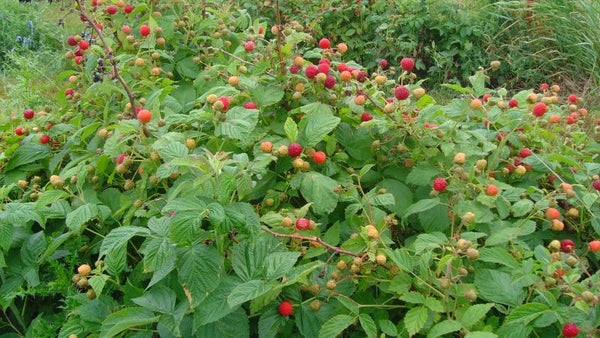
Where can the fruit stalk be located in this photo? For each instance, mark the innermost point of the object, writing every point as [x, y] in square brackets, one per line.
[314, 239]
[110, 56]
[279, 42]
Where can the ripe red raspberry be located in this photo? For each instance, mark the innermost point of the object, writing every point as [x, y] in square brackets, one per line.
[285, 308]
[573, 98]
[570, 330]
[249, 46]
[567, 245]
[294, 69]
[366, 117]
[327, 61]
[401, 93]
[486, 97]
[126, 29]
[383, 63]
[78, 60]
[329, 82]
[71, 41]
[19, 131]
[544, 87]
[324, 43]
[45, 139]
[594, 246]
[250, 105]
[539, 109]
[302, 224]
[319, 157]
[525, 152]
[513, 103]
[128, 9]
[407, 64]
[145, 30]
[491, 190]
[294, 150]
[362, 76]
[112, 9]
[311, 71]
[342, 67]
[225, 101]
[260, 30]
[596, 185]
[28, 114]
[501, 135]
[83, 45]
[323, 68]
[121, 158]
[69, 91]
[439, 184]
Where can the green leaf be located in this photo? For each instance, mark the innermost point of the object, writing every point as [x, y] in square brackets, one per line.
[267, 95]
[478, 83]
[279, 263]
[78, 217]
[158, 299]
[429, 241]
[98, 282]
[173, 151]
[270, 322]
[239, 124]
[368, 324]
[401, 258]
[124, 319]
[421, 205]
[27, 153]
[497, 286]
[247, 291]
[388, 327]
[422, 175]
[234, 325]
[498, 255]
[475, 313]
[522, 208]
[403, 195]
[415, 319]
[481, 334]
[443, 328]
[119, 236]
[335, 326]
[527, 312]
[319, 189]
[348, 304]
[215, 306]
[433, 304]
[318, 122]
[200, 270]
[291, 129]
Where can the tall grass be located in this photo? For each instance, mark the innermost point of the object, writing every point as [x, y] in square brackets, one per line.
[31, 53]
[551, 40]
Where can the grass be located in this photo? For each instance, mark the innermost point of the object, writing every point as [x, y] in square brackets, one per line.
[27, 70]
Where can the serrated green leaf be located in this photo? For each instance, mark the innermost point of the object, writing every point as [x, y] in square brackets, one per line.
[415, 319]
[443, 328]
[475, 313]
[291, 129]
[368, 324]
[124, 319]
[335, 326]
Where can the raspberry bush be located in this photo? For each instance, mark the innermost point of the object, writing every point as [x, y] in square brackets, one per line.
[202, 174]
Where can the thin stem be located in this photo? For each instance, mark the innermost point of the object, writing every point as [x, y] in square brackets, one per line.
[314, 239]
[279, 41]
[111, 58]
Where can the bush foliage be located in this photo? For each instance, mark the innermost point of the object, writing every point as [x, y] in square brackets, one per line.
[205, 174]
